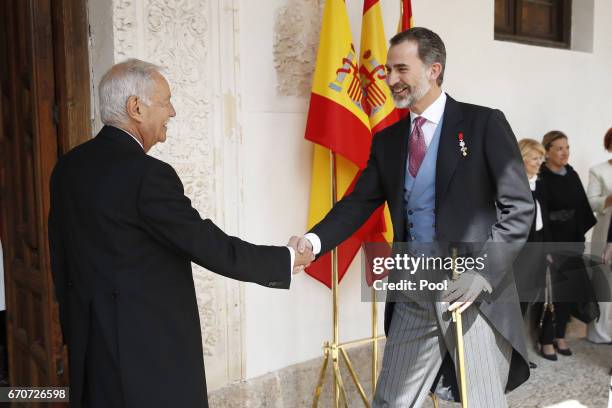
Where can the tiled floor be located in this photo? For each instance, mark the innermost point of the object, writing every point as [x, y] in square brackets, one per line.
[581, 380]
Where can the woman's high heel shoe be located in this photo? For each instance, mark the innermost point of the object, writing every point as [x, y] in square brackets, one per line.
[563, 352]
[551, 357]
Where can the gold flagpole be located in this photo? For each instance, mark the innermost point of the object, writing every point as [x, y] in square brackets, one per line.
[335, 322]
[374, 339]
[459, 335]
[334, 349]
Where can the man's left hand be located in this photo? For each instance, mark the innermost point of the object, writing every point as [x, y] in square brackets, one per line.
[462, 292]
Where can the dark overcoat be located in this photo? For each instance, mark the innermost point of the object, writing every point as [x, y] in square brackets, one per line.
[122, 238]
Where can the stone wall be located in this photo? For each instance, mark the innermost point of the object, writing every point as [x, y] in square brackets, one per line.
[294, 386]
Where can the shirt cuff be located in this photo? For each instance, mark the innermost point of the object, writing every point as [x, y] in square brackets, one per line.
[314, 241]
[292, 255]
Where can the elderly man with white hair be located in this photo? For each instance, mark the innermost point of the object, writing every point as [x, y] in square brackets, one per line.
[122, 236]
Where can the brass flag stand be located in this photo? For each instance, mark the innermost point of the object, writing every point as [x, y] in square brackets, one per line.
[459, 336]
[335, 349]
[374, 339]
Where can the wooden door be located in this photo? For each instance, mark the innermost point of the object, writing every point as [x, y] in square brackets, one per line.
[40, 112]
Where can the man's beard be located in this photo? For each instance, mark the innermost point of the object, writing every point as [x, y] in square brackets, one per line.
[414, 94]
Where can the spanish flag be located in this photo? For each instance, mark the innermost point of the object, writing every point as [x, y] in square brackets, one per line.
[378, 102]
[338, 124]
[406, 20]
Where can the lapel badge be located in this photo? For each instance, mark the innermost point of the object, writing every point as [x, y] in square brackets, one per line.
[462, 145]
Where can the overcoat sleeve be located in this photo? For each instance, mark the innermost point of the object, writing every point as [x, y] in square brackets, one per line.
[513, 198]
[353, 210]
[168, 216]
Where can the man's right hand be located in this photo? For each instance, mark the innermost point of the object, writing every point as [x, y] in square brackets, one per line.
[303, 253]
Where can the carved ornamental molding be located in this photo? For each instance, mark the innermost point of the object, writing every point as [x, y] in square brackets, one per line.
[175, 34]
[296, 41]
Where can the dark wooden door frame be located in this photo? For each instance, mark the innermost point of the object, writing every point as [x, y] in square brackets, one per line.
[67, 110]
[71, 33]
[72, 109]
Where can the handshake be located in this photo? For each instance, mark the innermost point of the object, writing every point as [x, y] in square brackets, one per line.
[303, 253]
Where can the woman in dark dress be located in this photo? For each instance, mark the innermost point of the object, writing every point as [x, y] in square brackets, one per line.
[570, 217]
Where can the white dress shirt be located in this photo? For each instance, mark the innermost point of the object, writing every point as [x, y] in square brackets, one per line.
[539, 223]
[433, 114]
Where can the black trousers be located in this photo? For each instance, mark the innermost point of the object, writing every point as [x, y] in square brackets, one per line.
[553, 325]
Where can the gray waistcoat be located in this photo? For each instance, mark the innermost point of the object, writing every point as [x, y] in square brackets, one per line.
[420, 195]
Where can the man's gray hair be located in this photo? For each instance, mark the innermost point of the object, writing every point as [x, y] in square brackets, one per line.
[132, 77]
[430, 47]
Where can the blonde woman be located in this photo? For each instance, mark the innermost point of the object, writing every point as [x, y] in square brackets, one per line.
[599, 192]
[533, 153]
[530, 267]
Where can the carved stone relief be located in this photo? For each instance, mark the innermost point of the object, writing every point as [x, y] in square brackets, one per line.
[177, 34]
[125, 19]
[296, 39]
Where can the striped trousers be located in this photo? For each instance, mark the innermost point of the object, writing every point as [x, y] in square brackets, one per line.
[419, 337]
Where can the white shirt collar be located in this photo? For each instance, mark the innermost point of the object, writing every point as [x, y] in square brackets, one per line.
[434, 112]
[133, 137]
[532, 182]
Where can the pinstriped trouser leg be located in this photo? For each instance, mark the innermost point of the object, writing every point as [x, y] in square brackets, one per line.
[419, 336]
[487, 356]
[413, 355]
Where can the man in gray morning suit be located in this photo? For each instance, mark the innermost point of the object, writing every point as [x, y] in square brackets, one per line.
[439, 192]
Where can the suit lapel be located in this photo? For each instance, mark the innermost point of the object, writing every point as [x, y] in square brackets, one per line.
[398, 171]
[448, 150]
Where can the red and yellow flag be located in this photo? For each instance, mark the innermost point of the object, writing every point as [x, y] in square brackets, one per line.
[337, 124]
[378, 102]
[406, 20]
